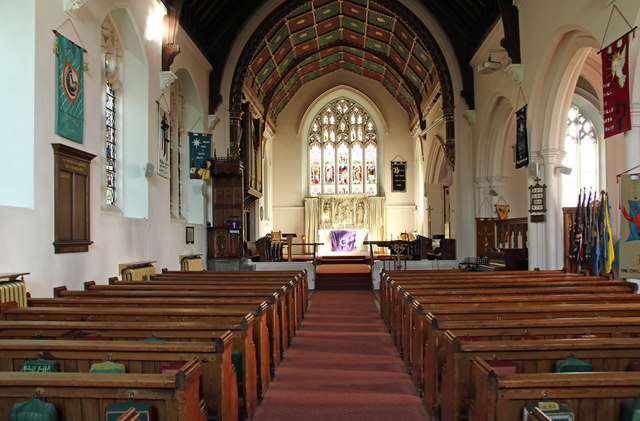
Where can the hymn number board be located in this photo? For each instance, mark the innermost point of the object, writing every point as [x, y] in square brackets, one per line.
[537, 195]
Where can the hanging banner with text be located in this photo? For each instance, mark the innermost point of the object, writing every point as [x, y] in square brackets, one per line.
[522, 145]
[199, 150]
[630, 226]
[398, 176]
[164, 144]
[69, 89]
[615, 87]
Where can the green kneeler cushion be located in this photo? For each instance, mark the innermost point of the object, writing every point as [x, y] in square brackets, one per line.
[33, 410]
[236, 360]
[108, 367]
[573, 365]
[631, 410]
[40, 366]
[115, 410]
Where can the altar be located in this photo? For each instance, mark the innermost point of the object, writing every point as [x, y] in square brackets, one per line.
[343, 222]
[342, 241]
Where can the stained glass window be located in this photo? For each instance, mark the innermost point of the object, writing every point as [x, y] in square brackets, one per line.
[110, 143]
[581, 146]
[342, 150]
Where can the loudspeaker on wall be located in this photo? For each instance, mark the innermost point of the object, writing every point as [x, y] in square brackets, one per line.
[148, 170]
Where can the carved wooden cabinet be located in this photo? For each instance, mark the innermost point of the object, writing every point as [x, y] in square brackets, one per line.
[225, 237]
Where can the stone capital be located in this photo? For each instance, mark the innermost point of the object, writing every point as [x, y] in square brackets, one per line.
[212, 121]
[71, 6]
[167, 78]
[552, 156]
[515, 72]
[471, 117]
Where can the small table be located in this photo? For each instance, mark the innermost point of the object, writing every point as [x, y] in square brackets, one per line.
[289, 237]
[400, 247]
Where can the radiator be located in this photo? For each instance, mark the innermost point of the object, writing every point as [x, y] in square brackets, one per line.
[13, 291]
[191, 264]
[140, 273]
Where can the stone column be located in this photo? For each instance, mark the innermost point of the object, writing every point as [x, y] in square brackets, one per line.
[483, 200]
[552, 227]
[632, 140]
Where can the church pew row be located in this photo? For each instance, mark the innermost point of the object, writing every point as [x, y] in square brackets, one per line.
[136, 331]
[213, 319]
[218, 382]
[397, 290]
[593, 396]
[510, 330]
[300, 278]
[258, 307]
[85, 396]
[285, 336]
[407, 309]
[508, 311]
[408, 317]
[292, 280]
[445, 275]
[205, 289]
[291, 300]
[531, 356]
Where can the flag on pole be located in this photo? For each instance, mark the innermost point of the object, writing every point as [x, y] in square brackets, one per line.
[608, 252]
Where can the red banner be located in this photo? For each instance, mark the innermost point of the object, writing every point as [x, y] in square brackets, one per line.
[615, 86]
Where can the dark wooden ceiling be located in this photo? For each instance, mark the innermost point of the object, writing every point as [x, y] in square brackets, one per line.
[213, 24]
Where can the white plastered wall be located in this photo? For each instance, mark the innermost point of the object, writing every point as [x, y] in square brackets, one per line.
[27, 233]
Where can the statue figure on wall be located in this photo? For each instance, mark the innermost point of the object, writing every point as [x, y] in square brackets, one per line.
[360, 214]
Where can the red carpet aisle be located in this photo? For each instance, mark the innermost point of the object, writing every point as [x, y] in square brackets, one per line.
[341, 366]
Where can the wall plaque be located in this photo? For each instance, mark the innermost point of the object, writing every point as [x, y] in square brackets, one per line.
[537, 195]
[398, 176]
[71, 191]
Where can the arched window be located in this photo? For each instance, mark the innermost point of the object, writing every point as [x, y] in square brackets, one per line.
[342, 150]
[112, 56]
[581, 146]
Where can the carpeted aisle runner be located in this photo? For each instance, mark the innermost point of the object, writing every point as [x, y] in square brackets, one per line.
[341, 366]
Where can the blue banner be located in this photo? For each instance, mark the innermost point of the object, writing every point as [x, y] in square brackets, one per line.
[69, 89]
[522, 146]
[199, 151]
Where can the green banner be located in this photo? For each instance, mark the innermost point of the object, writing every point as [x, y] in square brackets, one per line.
[69, 89]
[199, 150]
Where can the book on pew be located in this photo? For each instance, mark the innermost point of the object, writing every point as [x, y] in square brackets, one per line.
[502, 367]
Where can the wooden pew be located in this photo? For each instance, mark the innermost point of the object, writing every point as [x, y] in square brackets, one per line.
[500, 310]
[286, 331]
[219, 388]
[533, 356]
[208, 318]
[510, 330]
[293, 281]
[289, 291]
[84, 396]
[135, 331]
[593, 396]
[259, 308]
[300, 277]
